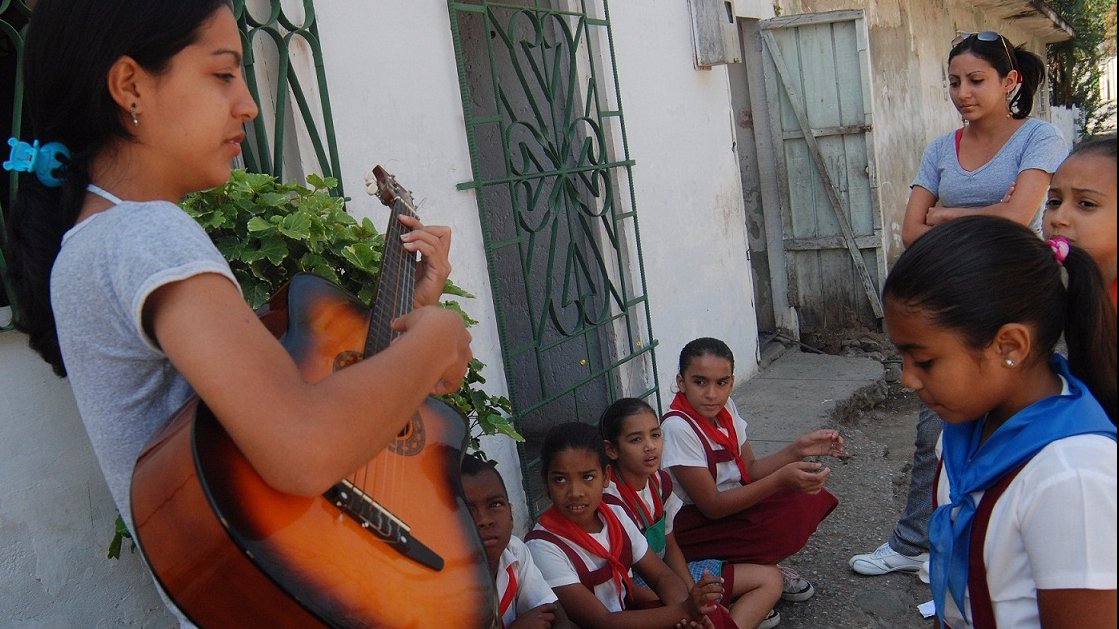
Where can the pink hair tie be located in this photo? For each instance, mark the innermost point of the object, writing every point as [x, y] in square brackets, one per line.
[1060, 247]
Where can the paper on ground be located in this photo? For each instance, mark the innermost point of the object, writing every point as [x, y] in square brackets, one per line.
[927, 609]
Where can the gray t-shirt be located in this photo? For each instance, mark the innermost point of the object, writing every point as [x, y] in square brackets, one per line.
[124, 385]
[1036, 144]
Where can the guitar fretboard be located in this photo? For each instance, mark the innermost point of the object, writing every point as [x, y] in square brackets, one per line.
[395, 288]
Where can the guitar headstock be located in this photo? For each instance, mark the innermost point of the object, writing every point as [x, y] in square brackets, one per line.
[391, 193]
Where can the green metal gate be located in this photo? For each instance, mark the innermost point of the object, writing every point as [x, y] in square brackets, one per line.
[553, 179]
[285, 72]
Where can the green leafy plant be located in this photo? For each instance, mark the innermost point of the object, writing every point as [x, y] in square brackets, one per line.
[269, 230]
[1075, 65]
[120, 533]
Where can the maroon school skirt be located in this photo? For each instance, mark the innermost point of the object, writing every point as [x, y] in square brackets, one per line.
[765, 533]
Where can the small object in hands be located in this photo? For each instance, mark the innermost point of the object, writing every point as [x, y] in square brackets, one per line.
[837, 451]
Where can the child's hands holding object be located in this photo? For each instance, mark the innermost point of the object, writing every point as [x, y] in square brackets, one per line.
[706, 593]
[825, 441]
[804, 476]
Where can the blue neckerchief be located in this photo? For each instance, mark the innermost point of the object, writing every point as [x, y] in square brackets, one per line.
[972, 467]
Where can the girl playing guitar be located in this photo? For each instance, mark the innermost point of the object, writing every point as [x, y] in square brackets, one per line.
[121, 291]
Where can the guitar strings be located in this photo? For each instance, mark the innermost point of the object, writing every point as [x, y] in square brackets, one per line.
[404, 300]
[402, 268]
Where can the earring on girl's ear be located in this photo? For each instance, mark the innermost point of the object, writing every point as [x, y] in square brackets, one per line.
[1008, 362]
[135, 120]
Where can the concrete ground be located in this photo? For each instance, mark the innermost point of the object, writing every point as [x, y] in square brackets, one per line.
[802, 391]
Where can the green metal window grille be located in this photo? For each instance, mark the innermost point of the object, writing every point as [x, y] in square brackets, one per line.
[554, 186]
[281, 47]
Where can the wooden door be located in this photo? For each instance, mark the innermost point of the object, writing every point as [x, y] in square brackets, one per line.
[817, 79]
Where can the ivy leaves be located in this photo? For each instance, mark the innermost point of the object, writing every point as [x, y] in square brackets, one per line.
[269, 230]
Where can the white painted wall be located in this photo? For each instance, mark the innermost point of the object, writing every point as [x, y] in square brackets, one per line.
[680, 127]
[1064, 118]
[56, 515]
[395, 100]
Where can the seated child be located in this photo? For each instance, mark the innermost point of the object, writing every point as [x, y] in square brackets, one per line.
[1081, 204]
[737, 507]
[632, 434]
[526, 600]
[587, 550]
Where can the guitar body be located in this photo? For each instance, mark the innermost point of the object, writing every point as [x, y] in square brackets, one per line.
[231, 551]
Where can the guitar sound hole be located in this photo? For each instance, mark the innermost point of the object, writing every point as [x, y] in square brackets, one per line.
[410, 441]
[405, 432]
[346, 358]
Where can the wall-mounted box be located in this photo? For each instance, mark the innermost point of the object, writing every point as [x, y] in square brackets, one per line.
[714, 32]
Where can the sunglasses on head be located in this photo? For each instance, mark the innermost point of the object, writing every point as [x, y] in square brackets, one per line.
[962, 36]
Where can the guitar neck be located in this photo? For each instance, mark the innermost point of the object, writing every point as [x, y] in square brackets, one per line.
[395, 284]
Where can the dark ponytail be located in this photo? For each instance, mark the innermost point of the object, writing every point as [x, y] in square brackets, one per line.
[1030, 68]
[1090, 329]
[38, 219]
[70, 47]
[977, 273]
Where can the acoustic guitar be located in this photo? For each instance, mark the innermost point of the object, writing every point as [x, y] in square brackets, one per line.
[392, 545]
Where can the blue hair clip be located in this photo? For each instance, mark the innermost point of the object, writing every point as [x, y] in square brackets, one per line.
[42, 160]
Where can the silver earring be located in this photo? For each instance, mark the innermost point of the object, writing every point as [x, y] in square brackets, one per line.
[135, 120]
[1009, 362]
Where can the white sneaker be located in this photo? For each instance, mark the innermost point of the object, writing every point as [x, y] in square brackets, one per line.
[796, 588]
[771, 620]
[885, 560]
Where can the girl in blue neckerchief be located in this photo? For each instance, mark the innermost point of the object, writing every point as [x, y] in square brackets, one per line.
[1025, 531]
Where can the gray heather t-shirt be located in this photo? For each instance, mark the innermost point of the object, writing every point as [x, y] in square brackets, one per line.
[1036, 144]
[124, 385]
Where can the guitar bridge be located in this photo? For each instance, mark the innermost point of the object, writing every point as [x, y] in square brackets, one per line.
[375, 518]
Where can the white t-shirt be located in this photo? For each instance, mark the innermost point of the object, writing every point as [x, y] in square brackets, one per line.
[124, 385]
[1053, 528]
[558, 570]
[532, 589]
[1034, 145]
[683, 447]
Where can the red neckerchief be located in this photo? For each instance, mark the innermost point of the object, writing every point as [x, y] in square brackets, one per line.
[728, 441]
[509, 594]
[631, 497]
[556, 523]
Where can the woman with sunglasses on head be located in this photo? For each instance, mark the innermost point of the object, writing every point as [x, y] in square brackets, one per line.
[998, 163]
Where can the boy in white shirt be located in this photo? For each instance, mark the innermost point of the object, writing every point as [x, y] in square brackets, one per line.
[525, 599]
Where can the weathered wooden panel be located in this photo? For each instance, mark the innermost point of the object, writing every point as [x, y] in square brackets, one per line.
[821, 97]
[714, 32]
